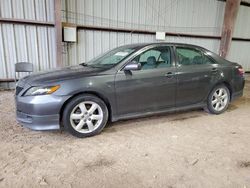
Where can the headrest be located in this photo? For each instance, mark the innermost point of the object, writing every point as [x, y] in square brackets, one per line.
[151, 60]
[185, 61]
[165, 55]
[197, 60]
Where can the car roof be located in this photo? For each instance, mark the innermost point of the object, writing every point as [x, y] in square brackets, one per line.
[141, 45]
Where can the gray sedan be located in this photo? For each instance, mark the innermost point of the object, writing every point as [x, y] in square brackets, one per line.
[127, 82]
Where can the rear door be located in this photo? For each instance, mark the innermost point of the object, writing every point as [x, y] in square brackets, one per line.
[195, 74]
[149, 89]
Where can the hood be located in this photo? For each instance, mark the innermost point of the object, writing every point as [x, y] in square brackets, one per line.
[60, 74]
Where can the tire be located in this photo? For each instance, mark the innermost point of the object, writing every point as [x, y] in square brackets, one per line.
[218, 100]
[85, 115]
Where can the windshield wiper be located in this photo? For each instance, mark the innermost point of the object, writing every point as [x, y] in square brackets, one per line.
[96, 65]
[103, 66]
[84, 64]
[88, 65]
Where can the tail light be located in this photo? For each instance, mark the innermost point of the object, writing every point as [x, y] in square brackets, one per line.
[240, 71]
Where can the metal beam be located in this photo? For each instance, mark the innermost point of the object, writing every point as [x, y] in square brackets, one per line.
[26, 22]
[137, 31]
[243, 3]
[231, 11]
[7, 80]
[58, 32]
[147, 32]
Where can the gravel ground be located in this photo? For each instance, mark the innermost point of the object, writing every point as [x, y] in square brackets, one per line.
[187, 149]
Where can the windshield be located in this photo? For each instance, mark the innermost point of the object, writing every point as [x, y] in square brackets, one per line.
[111, 58]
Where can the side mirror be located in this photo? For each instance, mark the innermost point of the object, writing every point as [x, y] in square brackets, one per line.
[132, 66]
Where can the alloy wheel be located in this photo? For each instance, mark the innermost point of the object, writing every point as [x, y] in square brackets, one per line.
[86, 117]
[220, 99]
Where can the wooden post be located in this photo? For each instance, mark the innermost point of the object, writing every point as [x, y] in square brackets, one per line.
[58, 32]
[231, 11]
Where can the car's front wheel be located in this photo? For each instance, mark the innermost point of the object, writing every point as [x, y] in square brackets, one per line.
[218, 99]
[85, 115]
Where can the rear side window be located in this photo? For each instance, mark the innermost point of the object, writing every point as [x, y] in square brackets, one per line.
[190, 56]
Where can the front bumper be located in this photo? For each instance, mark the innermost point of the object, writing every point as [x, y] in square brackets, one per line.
[39, 123]
[39, 112]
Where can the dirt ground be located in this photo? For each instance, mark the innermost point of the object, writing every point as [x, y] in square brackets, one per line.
[187, 149]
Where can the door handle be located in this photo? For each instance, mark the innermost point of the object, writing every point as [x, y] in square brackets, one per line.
[169, 74]
[214, 70]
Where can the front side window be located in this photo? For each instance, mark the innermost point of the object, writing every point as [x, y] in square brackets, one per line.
[159, 57]
[111, 58]
[190, 56]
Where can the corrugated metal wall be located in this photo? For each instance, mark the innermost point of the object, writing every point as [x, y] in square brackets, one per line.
[239, 50]
[92, 43]
[161, 15]
[35, 44]
[203, 17]
[186, 16]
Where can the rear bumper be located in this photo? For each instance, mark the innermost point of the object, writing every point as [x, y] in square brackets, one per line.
[236, 95]
[238, 87]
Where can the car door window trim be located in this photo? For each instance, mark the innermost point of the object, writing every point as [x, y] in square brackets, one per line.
[144, 49]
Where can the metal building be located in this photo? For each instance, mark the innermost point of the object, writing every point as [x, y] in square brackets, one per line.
[28, 28]
[32, 41]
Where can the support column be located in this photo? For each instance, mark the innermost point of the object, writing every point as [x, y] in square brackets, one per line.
[231, 11]
[58, 32]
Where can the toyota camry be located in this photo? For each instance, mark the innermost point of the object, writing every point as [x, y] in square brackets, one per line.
[127, 82]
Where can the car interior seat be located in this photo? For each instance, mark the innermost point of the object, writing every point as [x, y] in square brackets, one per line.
[197, 60]
[185, 61]
[165, 55]
[151, 63]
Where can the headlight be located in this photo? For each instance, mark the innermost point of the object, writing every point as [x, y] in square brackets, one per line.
[41, 90]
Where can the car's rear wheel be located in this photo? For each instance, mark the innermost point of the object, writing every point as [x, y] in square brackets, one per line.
[218, 99]
[85, 115]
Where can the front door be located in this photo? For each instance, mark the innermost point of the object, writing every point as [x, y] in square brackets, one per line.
[150, 89]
